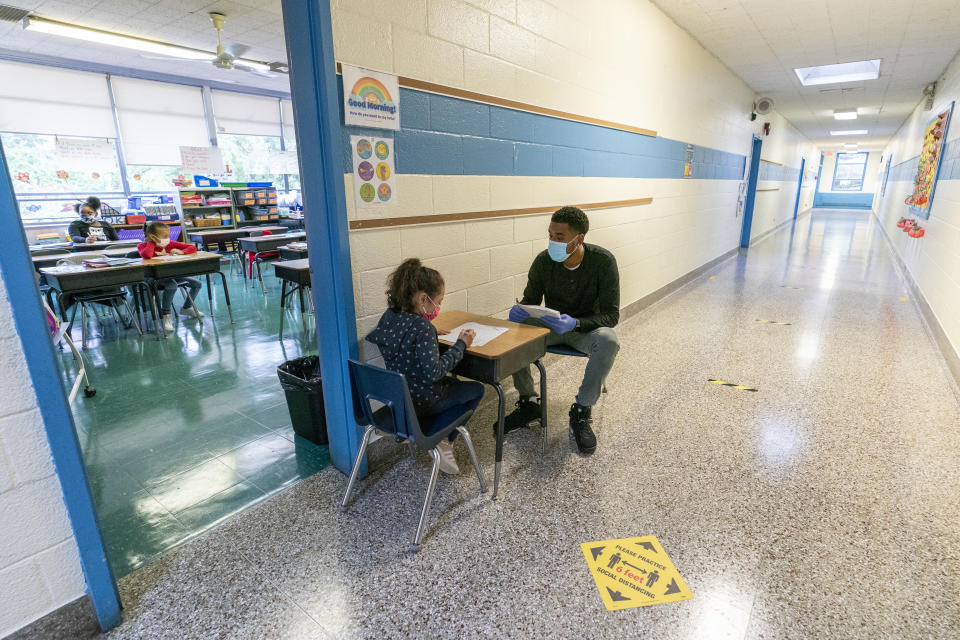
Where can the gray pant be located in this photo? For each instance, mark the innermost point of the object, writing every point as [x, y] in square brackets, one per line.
[601, 345]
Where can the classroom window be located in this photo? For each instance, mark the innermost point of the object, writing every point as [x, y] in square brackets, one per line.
[251, 158]
[145, 178]
[35, 168]
[849, 171]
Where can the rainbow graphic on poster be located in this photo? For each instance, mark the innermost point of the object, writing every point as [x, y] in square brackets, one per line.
[371, 99]
[928, 166]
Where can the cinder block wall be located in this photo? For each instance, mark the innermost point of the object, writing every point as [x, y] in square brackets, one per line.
[39, 562]
[933, 260]
[618, 60]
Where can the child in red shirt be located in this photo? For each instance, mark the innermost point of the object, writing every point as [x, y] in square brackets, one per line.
[158, 243]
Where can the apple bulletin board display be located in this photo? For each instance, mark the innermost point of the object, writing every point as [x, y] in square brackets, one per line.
[929, 166]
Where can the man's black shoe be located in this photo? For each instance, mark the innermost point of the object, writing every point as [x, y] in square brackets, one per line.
[527, 411]
[580, 423]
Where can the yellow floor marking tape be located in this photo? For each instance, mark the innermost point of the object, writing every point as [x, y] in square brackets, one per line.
[731, 384]
[711, 278]
[634, 572]
[773, 322]
[902, 299]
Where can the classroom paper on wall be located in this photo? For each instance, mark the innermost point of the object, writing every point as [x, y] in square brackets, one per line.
[84, 153]
[283, 162]
[373, 170]
[201, 161]
[370, 98]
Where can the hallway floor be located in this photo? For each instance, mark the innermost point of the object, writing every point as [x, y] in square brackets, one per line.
[824, 505]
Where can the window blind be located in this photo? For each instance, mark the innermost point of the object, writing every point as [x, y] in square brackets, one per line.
[157, 118]
[46, 100]
[243, 114]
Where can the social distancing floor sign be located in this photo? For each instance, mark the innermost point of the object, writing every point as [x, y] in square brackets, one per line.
[634, 572]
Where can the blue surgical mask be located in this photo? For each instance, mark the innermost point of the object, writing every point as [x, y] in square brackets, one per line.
[558, 251]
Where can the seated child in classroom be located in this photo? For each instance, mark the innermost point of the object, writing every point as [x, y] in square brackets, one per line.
[158, 243]
[408, 342]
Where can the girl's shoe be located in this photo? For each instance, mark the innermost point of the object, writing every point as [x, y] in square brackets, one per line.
[191, 312]
[168, 322]
[448, 464]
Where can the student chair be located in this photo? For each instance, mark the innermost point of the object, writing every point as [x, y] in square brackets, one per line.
[257, 258]
[397, 417]
[110, 298]
[58, 333]
[131, 234]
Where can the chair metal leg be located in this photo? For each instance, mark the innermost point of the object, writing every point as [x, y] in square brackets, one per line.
[133, 317]
[501, 411]
[356, 466]
[283, 296]
[473, 457]
[428, 501]
[263, 287]
[83, 325]
[543, 405]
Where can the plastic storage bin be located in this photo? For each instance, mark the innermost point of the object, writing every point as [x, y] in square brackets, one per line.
[301, 384]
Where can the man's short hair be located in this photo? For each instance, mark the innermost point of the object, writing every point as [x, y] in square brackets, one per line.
[573, 218]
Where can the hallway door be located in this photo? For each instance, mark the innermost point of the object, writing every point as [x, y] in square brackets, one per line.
[796, 204]
[752, 178]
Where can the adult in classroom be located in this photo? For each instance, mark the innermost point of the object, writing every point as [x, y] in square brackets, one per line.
[582, 283]
[91, 226]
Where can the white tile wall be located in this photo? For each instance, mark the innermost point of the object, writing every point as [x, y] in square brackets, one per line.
[934, 260]
[39, 562]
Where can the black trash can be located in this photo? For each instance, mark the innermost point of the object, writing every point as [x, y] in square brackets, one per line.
[301, 384]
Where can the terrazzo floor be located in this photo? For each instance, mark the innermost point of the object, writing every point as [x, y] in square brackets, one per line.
[824, 505]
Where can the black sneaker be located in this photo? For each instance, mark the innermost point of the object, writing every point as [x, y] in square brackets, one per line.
[527, 411]
[580, 423]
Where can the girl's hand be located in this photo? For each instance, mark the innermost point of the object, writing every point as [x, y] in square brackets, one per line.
[467, 335]
[90, 239]
[176, 252]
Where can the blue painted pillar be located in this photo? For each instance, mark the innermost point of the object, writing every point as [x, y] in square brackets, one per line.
[20, 282]
[796, 203]
[316, 110]
[751, 197]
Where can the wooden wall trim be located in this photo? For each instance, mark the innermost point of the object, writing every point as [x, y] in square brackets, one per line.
[779, 164]
[432, 87]
[404, 221]
[773, 189]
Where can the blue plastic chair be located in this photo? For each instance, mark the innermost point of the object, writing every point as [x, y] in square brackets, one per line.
[398, 418]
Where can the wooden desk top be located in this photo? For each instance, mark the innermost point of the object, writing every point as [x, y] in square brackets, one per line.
[191, 257]
[243, 231]
[298, 265]
[110, 253]
[76, 269]
[516, 336]
[284, 237]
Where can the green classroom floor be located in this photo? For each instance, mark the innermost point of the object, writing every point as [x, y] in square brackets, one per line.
[186, 431]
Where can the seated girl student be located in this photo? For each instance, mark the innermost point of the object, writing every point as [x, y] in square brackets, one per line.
[408, 342]
[158, 243]
[90, 225]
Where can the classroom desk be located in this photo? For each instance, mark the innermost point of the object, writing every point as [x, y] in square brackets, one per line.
[92, 246]
[215, 236]
[521, 346]
[296, 273]
[288, 252]
[263, 244]
[201, 263]
[77, 278]
[51, 260]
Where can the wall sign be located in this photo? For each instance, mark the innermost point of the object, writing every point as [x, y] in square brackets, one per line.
[688, 162]
[85, 153]
[373, 170]
[201, 161]
[370, 98]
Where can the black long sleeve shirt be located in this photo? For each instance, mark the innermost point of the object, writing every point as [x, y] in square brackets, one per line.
[590, 293]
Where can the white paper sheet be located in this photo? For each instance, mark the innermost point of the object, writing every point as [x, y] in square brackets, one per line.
[536, 311]
[485, 333]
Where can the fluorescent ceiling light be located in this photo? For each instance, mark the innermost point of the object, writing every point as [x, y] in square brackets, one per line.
[849, 132]
[843, 72]
[850, 145]
[845, 114]
[97, 36]
[52, 27]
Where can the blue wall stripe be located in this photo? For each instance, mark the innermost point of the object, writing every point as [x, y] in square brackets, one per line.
[843, 200]
[451, 136]
[949, 169]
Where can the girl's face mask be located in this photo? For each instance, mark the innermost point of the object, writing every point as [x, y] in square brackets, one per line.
[89, 216]
[435, 313]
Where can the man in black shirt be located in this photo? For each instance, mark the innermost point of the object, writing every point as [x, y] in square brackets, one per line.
[580, 281]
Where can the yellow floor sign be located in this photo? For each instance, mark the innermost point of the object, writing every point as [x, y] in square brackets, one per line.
[634, 572]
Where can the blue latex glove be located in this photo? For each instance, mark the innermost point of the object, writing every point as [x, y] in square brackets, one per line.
[560, 325]
[517, 314]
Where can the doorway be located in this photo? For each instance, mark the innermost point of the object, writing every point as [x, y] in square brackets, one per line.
[752, 177]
